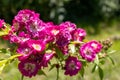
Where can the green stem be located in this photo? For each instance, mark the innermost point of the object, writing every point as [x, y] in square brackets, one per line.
[22, 77]
[57, 74]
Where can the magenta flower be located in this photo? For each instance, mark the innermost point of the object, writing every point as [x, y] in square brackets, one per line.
[46, 36]
[25, 15]
[23, 18]
[51, 31]
[68, 26]
[36, 57]
[20, 38]
[34, 27]
[36, 45]
[41, 59]
[64, 49]
[28, 68]
[63, 38]
[54, 30]
[96, 46]
[17, 26]
[46, 58]
[1, 23]
[78, 34]
[14, 39]
[72, 66]
[25, 50]
[87, 52]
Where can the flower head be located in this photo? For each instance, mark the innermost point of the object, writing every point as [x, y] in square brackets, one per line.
[96, 46]
[26, 14]
[78, 34]
[87, 52]
[46, 58]
[72, 66]
[20, 38]
[25, 50]
[28, 68]
[54, 29]
[36, 45]
[68, 26]
[45, 36]
[41, 59]
[63, 38]
[33, 27]
[64, 49]
[23, 18]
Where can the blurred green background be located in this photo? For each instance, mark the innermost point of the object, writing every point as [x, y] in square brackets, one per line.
[100, 18]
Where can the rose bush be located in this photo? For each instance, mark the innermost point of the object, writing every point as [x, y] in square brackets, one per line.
[37, 42]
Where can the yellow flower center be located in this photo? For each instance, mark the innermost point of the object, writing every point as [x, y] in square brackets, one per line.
[55, 32]
[36, 47]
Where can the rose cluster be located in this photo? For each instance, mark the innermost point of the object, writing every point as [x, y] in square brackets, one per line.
[38, 42]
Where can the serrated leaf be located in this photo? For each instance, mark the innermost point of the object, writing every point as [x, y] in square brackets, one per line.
[41, 72]
[100, 73]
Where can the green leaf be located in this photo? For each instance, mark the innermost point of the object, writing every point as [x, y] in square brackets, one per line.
[3, 62]
[1, 68]
[113, 51]
[76, 42]
[111, 60]
[14, 56]
[5, 51]
[41, 72]
[2, 65]
[100, 73]
[6, 30]
[52, 66]
[72, 48]
[96, 60]
[102, 61]
[59, 53]
[82, 72]
[2, 33]
[94, 68]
